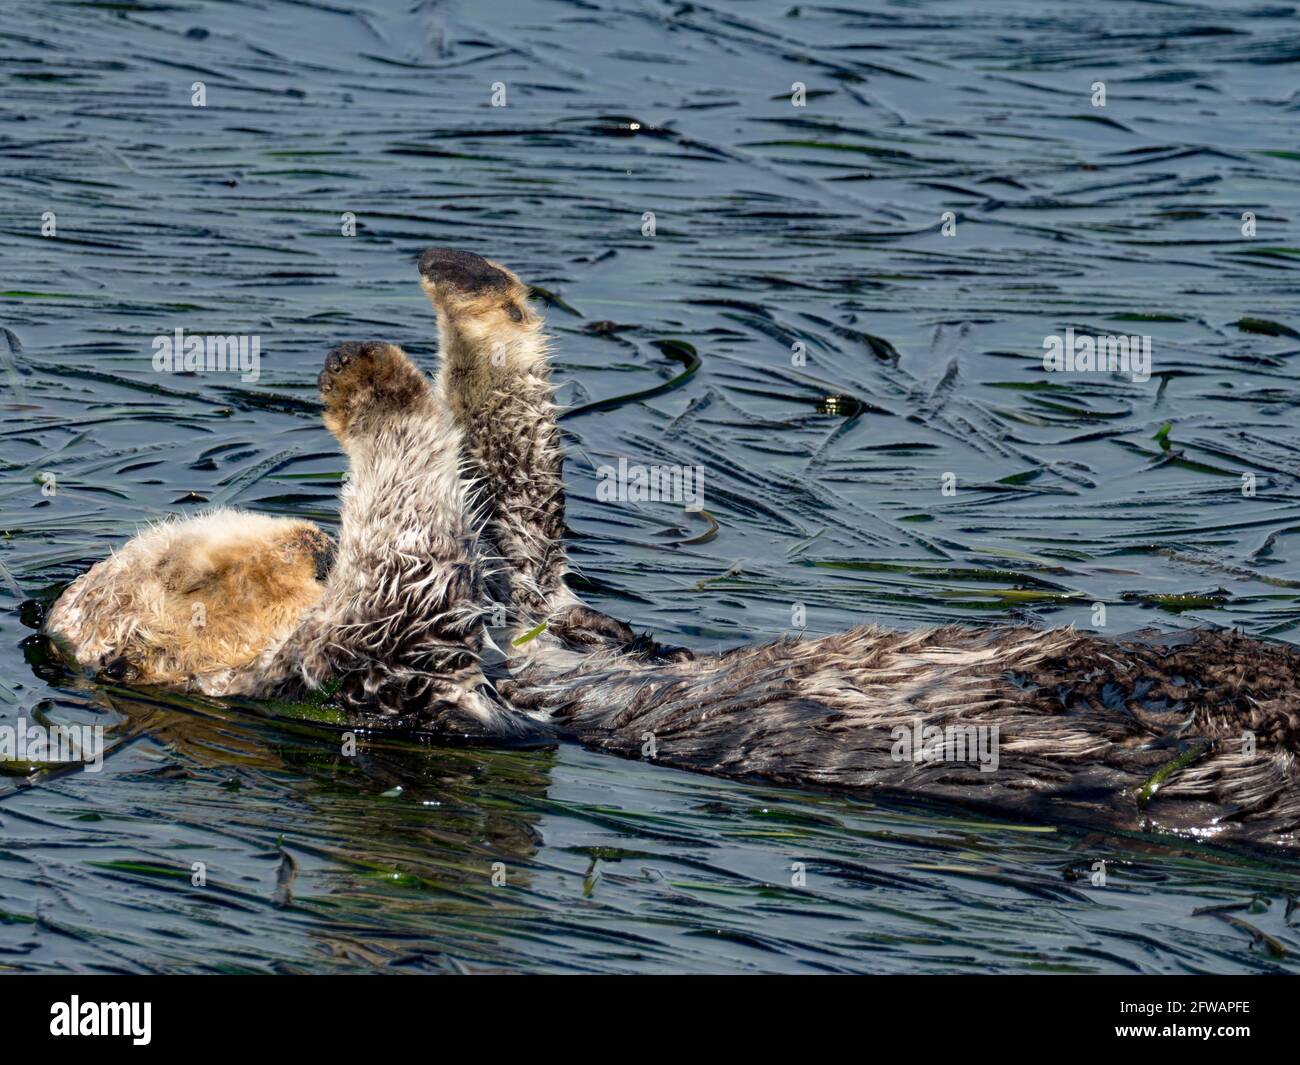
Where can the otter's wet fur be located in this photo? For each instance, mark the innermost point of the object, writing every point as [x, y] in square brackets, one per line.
[455, 498]
[1196, 733]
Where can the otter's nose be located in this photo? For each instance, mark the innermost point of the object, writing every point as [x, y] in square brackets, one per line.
[462, 270]
[322, 552]
[315, 545]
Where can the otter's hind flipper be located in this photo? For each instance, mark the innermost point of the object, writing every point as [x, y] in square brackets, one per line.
[495, 381]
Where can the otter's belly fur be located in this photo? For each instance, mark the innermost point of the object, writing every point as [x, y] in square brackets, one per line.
[1196, 733]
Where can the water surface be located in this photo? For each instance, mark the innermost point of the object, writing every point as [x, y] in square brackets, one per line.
[775, 225]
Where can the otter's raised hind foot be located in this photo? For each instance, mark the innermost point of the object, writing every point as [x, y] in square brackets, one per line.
[495, 382]
[364, 382]
[489, 335]
[464, 272]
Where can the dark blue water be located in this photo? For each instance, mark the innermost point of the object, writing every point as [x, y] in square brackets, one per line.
[774, 225]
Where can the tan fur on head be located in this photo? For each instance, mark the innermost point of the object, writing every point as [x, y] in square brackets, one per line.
[188, 602]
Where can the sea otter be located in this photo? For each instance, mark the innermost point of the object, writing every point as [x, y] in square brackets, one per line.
[455, 497]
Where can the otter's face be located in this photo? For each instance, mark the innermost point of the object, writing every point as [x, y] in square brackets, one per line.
[484, 305]
[187, 603]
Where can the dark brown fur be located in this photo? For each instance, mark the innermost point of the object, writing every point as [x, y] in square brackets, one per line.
[1147, 731]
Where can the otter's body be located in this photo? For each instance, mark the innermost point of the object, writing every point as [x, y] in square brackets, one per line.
[453, 513]
[1196, 733]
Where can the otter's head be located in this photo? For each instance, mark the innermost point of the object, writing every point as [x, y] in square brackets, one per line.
[482, 308]
[187, 603]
